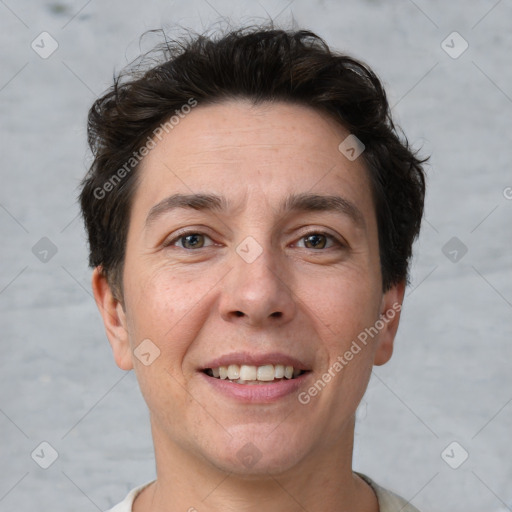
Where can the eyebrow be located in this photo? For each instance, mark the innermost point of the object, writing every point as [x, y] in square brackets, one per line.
[295, 202]
[324, 203]
[188, 201]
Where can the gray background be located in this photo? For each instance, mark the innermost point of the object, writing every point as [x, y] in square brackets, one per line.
[450, 377]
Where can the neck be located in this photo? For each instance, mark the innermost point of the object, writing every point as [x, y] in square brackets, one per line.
[321, 482]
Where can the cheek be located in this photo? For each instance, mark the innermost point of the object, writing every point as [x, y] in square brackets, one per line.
[163, 307]
[343, 307]
[342, 304]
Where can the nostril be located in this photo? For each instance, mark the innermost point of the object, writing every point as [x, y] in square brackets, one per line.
[277, 314]
[238, 313]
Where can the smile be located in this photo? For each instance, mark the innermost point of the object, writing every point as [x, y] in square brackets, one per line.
[249, 374]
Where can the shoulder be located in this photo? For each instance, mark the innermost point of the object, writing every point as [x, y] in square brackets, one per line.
[126, 504]
[388, 500]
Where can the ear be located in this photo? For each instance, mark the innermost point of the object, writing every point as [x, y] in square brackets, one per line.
[391, 307]
[114, 319]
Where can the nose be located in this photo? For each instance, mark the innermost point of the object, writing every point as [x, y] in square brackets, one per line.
[258, 293]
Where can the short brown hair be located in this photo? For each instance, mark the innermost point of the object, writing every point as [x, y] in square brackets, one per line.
[262, 65]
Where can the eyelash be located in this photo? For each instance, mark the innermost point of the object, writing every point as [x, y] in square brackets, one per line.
[336, 243]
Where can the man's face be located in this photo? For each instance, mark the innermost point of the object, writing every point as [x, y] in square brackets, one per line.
[278, 266]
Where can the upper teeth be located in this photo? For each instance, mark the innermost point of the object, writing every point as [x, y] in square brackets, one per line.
[245, 372]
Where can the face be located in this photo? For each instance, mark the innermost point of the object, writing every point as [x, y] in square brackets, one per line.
[252, 242]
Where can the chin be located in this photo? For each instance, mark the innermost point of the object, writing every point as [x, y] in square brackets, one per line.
[251, 464]
[253, 452]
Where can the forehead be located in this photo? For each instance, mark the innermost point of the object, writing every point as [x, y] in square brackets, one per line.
[241, 150]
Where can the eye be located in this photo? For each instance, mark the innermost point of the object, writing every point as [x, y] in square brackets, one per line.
[319, 240]
[190, 240]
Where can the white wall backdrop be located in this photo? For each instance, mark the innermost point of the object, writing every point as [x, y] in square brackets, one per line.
[449, 380]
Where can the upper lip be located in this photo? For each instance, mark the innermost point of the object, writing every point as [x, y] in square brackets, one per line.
[251, 359]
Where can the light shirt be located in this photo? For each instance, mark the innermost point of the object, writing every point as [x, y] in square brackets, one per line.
[388, 501]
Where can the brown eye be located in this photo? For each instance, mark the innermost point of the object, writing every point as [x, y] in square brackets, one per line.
[315, 241]
[190, 241]
[319, 240]
[193, 241]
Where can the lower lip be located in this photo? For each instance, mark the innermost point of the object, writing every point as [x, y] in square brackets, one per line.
[257, 393]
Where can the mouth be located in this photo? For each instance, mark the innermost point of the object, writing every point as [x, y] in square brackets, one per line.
[254, 375]
[251, 378]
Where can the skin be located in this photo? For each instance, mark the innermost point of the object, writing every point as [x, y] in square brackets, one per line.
[306, 300]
